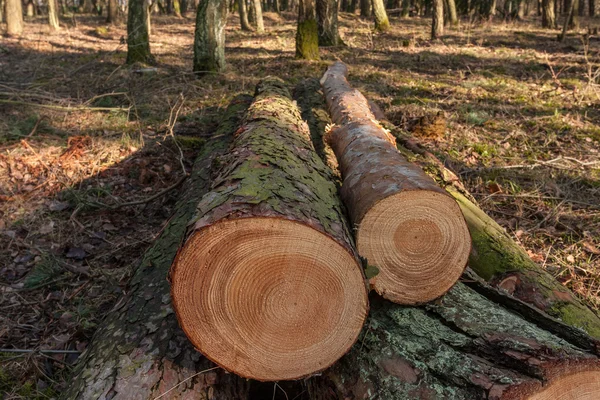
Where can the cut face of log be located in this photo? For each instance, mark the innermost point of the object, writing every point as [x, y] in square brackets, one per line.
[406, 226]
[267, 283]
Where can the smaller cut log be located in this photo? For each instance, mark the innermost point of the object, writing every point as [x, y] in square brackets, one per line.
[406, 226]
[267, 283]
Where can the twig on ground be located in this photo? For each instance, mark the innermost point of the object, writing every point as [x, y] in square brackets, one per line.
[184, 381]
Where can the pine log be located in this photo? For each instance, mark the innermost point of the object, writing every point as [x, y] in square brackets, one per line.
[462, 346]
[407, 227]
[495, 256]
[267, 284]
[140, 352]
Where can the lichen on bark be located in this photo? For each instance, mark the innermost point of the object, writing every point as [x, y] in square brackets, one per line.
[209, 37]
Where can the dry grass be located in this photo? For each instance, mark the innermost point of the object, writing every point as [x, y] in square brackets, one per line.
[522, 112]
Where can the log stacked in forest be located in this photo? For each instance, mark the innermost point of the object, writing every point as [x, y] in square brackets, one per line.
[407, 227]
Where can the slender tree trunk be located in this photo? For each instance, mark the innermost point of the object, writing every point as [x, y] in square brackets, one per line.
[258, 17]
[209, 39]
[548, 17]
[382, 23]
[14, 17]
[352, 6]
[574, 15]
[365, 8]
[521, 12]
[177, 8]
[151, 7]
[437, 25]
[582, 8]
[30, 9]
[327, 19]
[307, 34]
[244, 16]
[87, 7]
[276, 6]
[53, 14]
[406, 9]
[2, 5]
[452, 15]
[112, 14]
[138, 36]
[592, 8]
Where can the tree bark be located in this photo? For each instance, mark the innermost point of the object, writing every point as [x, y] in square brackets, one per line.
[405, 13]
[244, 16]
[140, 352]
[307, 33]
[382, 23]
[258, 17]
[498, 259]
[270, 235]
[452, 15]
[53, 20]
[138, 36]
[548, 17]
[365, 8]
[209, 38]
[462, 346]
[112, 14]
[327, 19]
[406, 226]
[592, 8]
[574, 15]
[2, 5]
[30, 9]
[437, 23]
[14, 17]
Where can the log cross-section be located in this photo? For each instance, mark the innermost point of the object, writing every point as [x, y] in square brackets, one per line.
[406, 226]
[267, 283]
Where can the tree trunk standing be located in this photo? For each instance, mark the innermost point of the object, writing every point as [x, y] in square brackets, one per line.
[461, 347]
[327, 19]
[112, 14]
[548, 17]
[592, 7]
[139, 351]
[307, 34]
[30, 9]
[138, 36]
[574, 15]
[406, 9]
[209, 38]
[177, 8]
[2, 5]
[352, 6]
[521, 10]
[452, 15]
[382, 23]
[365, 8]
[14, 17]
[276, 6]
[258, 17]
[244, 16]
[437, 24]
[87, 6]
[53, 15]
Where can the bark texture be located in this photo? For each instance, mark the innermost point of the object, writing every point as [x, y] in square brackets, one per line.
[14, 17]
[327, 18]
[53, 15]
[452, 15]
[258, 17]
[365, 8]
[140, 352]
[209, 37]
[548, 17]
[112, 12]
[437, 22]
[244, 16]
[497, 258]
[271, 176]
[382, 23]
[138, 36]
[307, 34]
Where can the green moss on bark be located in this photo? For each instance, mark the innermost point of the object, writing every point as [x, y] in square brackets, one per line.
[307, 40]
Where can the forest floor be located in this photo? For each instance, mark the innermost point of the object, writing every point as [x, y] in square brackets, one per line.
[81, 134]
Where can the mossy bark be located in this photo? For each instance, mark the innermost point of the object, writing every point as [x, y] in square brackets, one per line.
[307, 34]
[138, 36]
[209, 37]
[496, 257]
[327, 19]
[382, 23]
[140, 352]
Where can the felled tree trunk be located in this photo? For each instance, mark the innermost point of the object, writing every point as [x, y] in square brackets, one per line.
[140, 352]
[466, 345]
[462, 346]
[327, 19]
[209, 37]
[307, 34]
[267, 283]
[498, 259]
[138, 36]
[406, 226]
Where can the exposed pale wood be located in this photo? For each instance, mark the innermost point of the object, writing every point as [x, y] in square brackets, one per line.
[267, 283]
[406, 226]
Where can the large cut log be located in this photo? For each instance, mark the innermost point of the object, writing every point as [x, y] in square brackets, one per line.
[140, 352]
[469, 344]
[462, 346]
[406, 225]
[267, 284]
[495, 256]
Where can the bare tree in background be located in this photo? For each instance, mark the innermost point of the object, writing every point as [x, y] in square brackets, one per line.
[138, 36]
[437, 25]
[53, 15]
[209, 38]
[327, 19]
[382, 23]
[14, 17]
